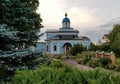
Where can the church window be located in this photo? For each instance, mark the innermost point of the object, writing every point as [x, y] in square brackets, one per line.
[55, 48]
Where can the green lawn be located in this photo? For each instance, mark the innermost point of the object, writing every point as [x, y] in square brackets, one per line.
[118, 60]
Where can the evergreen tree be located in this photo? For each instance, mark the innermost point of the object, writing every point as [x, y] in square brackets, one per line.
[20, 16]
[19, 26]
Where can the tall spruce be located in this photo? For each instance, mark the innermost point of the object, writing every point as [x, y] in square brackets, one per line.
[19, 26]
[20, 17]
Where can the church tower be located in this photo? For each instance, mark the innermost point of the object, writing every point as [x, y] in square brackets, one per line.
[66, 22]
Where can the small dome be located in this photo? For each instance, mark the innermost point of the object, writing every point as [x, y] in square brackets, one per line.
[66, 19]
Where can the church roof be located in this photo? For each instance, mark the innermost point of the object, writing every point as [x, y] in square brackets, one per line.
[69, 37]
[58, 31]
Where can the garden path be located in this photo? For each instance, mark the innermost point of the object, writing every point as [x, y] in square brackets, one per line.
[84, 67]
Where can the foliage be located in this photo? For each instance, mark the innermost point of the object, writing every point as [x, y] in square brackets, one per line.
[114, 67]
[60, 73]
[93, 63]
[117, 60]
[114, 32]
[20, 18]
[114, 37]
[105, 61]
[100, 62]
[103, 47]
[77, 48]
[19, 60]
[19, 28]
[93, 47]
[83, 58]
[59, 56]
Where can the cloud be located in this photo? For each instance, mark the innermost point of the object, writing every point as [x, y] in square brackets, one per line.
[104, 9]
[82, 17]
[52, 12]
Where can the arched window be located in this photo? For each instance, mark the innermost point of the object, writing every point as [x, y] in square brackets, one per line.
[55, 47]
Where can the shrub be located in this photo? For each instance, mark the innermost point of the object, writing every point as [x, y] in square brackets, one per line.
[80, 61]
[58, 56]
[117, 68]
[105, 61]
[77, 48]
[84, 59]
[60, 73]
[94, 63]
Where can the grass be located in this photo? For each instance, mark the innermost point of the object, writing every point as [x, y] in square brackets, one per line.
[118, 60]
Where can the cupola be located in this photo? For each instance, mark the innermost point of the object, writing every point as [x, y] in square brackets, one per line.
[66, 22]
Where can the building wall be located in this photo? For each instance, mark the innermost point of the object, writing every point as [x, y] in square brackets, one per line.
[53, 50]
[60, 43]
[48, 47]
[40, 46]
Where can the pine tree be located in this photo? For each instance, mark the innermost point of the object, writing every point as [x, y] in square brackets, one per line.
[20, 16]
[19, 26]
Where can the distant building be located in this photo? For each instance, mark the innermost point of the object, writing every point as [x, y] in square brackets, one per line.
[62, 40]
[105, 38]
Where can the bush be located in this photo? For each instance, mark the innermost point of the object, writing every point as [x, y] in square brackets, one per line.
[105, 61]
[60, 73]
[84, 59]
[114, 67]
[94, 63]
[58, 56]
[77, 48]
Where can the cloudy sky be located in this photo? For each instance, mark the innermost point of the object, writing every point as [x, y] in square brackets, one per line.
[92, 18]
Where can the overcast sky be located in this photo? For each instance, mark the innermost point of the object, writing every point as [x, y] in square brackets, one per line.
[84, 15]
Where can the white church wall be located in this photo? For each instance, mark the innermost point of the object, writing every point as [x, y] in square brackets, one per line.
[53, 50]
[40, 47]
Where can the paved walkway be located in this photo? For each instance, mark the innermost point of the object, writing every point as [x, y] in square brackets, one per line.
[79, 66]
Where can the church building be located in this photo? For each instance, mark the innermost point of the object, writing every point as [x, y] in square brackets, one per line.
[62, 40]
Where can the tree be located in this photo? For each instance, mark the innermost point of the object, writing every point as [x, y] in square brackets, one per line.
[21, 16]
[113, 33]
[102, 47]
[93, 47]
[114, 37]
[19, 26]
[7, 38]
[77, 48]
